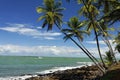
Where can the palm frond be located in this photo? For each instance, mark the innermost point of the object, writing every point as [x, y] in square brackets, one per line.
[41, 18]
[40, 9]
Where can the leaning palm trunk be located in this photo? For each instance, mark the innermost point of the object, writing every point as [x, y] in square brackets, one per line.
[91, 57]
[87, 50]
[90, 17]
[110, 48]
[88, 54]
[108, 44]
[98, 47]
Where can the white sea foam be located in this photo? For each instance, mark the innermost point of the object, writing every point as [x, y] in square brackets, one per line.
[65, 68]
[54, 69]
[85, 63]
[17, 77]
[40, 57]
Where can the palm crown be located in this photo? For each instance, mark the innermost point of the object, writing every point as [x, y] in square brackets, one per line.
[51, 13]
[75, 28]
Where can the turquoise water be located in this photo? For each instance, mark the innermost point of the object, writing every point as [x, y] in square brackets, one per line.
[20, 65]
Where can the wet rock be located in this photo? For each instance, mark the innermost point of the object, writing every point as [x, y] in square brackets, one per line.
[83, 73]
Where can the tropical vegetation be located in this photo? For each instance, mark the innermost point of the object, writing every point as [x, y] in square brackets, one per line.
[99, 17]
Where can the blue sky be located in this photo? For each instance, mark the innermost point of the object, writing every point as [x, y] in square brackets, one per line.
[21, 34]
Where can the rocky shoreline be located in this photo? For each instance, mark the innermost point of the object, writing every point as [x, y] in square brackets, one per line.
[83, 73]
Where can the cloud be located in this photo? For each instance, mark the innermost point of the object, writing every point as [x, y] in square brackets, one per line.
[10, 49]
[39, 50]
[100, 41]
[28, 30]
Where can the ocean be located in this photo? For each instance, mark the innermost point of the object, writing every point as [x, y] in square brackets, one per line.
[14, 66]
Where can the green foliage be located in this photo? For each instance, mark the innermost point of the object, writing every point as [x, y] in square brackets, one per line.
[108, 58]
[75, 29]
[117, 47]
[50, 13]
[111, 8]
[98, 16]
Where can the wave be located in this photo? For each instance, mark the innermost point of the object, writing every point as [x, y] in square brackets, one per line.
[40, 57]
[54, 69]
[17, 77]
[85, 63]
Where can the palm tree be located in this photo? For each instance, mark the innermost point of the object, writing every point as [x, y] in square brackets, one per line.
[109, 58]
[117, 47]
[117, 41]
[75, 29]
[111, 10]
[51, 13]
[108, 7]
[105, 35]
[90, 12]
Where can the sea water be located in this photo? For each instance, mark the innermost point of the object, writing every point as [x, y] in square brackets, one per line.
[14, 66]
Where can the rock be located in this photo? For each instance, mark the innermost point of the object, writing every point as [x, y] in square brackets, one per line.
[83, 73]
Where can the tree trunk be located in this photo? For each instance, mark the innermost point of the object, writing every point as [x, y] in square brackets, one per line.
[98, 47]
[111, 49]
[99, 67]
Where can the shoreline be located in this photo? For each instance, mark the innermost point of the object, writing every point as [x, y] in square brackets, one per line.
[82, 73]
[45, 72]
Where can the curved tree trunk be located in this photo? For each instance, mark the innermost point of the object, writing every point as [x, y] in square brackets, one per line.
[108, 44]
[98, 47]
[111, 50]
[87, 50]
[92, 20]
[99, 67]
[102, 70]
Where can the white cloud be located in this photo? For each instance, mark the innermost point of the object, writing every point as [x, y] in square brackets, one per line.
[103, 48]
[94, 42]
[10, 49]
[39, 50]
[25, 29]
[100, 41]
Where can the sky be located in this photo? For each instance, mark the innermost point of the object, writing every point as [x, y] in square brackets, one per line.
[21, 33]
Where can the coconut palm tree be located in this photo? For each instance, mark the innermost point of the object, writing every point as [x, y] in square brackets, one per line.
[111, 10]
[75, 29]
[117, 47]
[51, 14]
[108, 6]
[105, 37]
[109, 58]
[90, 12]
